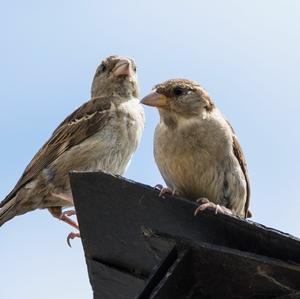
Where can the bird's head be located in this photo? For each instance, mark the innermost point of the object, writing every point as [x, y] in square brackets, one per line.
[115, 76]
[179, 97]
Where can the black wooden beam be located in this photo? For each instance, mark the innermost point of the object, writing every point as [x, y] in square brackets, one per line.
[222, 272]
[117, 218]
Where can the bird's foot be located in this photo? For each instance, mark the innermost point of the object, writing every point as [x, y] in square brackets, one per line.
[69, 213]
[204, 204]
[72, 236]
[164, 190]
[65, 218]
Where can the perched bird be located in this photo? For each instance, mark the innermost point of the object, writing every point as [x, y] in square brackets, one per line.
[102, 134]
[196, 149]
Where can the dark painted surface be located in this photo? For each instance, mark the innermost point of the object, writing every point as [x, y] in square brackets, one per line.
[117, 217]
[212, 271]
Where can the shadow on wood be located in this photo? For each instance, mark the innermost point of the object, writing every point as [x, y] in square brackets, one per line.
[138, 245]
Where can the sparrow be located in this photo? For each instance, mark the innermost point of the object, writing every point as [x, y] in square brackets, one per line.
[102, 134]
[196, 149]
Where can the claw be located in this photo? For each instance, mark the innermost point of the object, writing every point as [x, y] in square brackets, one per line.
[204, 204]
[69, 213]
[158, 186]
[66, 219]
[164, 191]
[202, 200]
[72, 236]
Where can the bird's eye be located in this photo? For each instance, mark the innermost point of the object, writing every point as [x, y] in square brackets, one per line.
[103, 67]
[100, 70]
[178, 91]
[134, 67]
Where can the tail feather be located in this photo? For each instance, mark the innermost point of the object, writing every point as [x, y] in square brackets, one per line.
[8, 210]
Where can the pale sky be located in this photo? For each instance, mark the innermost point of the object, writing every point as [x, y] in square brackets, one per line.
[245, 53]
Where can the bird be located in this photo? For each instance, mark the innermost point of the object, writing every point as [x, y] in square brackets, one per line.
[196, 149]
[102, 134]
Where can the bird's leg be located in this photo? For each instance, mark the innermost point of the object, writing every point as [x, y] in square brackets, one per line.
[57, 213]
[62, 196]
[204, 203]
[72, 235]
[67, 220]
[164, 190]
[64, 216]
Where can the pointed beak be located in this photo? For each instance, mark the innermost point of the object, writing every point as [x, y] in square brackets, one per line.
[123, 67]
[156, 100]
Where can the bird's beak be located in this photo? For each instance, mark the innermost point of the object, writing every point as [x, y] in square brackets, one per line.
[155, 99]
[123, 67]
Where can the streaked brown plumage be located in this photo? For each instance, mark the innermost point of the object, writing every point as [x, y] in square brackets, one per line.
[100, 135]
[196, 149]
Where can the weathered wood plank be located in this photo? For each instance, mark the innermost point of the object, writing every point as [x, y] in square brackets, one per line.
[116, 217]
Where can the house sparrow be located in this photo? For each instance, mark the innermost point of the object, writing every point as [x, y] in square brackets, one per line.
[196, 149]
[102, 134]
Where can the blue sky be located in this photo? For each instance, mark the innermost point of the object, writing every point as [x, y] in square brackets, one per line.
[245, 53]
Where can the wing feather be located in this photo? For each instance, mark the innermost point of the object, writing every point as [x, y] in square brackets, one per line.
[81, 124]
[242, 161]
[238, 152]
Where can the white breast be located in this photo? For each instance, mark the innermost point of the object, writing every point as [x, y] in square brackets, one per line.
[111, 149]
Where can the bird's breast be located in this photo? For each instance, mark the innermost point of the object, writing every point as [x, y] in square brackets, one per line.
[128, 120]
[191, 157]
[111, 148]
[116, 143]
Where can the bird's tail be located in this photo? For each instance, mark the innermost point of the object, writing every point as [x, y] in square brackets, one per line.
[8, 210]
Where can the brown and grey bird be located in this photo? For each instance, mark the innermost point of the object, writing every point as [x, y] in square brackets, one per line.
[102, 134]
[196, 149]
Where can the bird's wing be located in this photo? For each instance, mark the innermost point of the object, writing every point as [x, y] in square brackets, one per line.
[242, 161]
[237, 150]
[81, 124]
